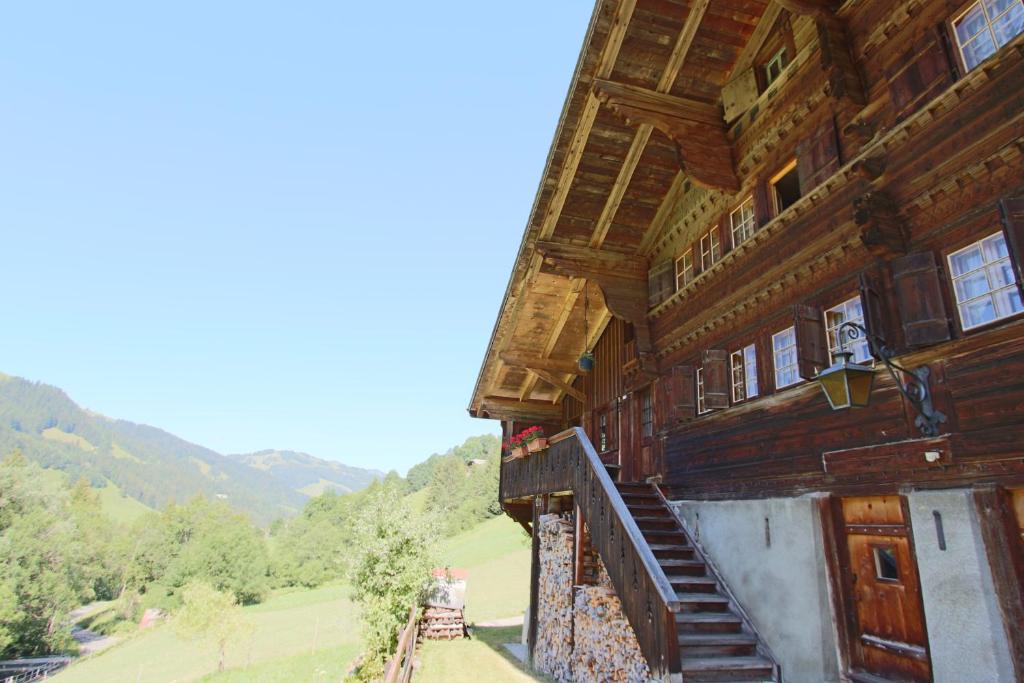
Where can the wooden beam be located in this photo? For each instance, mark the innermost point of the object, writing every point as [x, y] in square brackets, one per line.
[571, 260]
[882, 230]
[521, 411]
[757, 39]
[565, 366]
[820, 9]
[696, 128]
[559, 384]
[586, 121]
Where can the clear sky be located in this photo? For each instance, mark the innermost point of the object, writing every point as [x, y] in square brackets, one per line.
[272, 225]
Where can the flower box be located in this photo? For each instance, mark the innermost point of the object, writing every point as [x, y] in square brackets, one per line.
[517, 452]
[538, 444]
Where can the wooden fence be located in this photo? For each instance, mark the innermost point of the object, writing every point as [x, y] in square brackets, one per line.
[399, 669]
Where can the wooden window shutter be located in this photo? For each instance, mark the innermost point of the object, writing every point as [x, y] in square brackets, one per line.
[739, 94]
[817, 156]
[871, 289]
[660, 283]
[919, 74]
[811, 349]
[698, 266]
[762, 203]
[1012, 211]
[682, 392]
[716, 378]
[919, 294]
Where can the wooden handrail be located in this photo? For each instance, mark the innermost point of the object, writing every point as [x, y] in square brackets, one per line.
[648, 600]
[399, 669]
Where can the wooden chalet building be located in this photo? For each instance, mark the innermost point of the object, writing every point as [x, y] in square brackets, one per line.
[730, 182]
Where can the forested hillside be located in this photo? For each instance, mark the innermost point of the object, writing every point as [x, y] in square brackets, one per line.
[147, 464]
[307, 474]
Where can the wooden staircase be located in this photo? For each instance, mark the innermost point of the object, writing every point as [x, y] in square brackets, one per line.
[716, 643]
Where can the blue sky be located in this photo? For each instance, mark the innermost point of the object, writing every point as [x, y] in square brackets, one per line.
[272, 225]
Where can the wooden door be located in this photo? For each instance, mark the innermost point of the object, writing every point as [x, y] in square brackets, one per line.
[889, 636]
[643, 454]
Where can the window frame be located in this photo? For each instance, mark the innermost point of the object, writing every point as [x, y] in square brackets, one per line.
[950, 281]
[700, 400]
[682, 272]
[714, 245]
[832, 350]
[747, 226]
[746, 375]
[646, 414]
[954, 37]
[773, 196]
[796, 362]
[780, 58]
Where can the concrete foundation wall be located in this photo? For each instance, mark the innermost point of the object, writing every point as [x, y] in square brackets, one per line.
[777, 575]
[965, 629]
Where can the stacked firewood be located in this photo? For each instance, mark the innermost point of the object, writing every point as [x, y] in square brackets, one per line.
[441, 623]
[553, 650]
[606, 648]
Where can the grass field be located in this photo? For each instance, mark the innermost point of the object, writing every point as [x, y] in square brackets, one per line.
[120, 508]
[305, 635]
[313, 635]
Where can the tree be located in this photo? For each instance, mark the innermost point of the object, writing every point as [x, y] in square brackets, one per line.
[210, 615]
[393, 554]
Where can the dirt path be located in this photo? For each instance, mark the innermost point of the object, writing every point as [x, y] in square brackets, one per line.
[88, 641]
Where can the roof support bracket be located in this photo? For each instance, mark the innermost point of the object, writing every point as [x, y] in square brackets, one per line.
[697, 129]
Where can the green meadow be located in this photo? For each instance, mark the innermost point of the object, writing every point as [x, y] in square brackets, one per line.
[313, 635]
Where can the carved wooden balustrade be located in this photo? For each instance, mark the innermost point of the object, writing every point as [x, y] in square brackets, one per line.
[571, 464]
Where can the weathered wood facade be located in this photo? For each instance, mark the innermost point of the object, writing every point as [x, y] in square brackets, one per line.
[732, 180]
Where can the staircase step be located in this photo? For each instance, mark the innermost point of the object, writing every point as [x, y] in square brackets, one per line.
[708, 622]
[701, 645]
[678, 552]
[663, 523]
[634, 486]
[701, 669]
[702, 602]
[695, 584]
[646, 498]
[663, 536]
[649, 510]
[687, 567]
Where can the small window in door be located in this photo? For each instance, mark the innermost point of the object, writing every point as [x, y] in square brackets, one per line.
[646, 415]
[887, 568]
[602, 432]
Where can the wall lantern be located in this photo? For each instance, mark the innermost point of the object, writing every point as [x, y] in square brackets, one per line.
[847, 384]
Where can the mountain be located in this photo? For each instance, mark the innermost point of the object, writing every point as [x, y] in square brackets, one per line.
[144, 462]
[307, 474]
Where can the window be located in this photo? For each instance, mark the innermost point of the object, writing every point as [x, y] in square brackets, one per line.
[986, 26]
[710, 252]
[646, 414]
[784, 354]
[684, 269]
[742, 222]
[701, 404]
[774, 66]
[785, 188]
[983, 281]
[848, 311]
[744, 373]
[602, 432]
[887, 568]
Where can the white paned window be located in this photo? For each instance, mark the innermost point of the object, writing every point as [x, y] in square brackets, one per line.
[983, 281]
[848, 311]
[710, 251]
[684, 269]
[986, 26]
[784, 356]
[742, 222]
[701, 404]
[744, 373]
[773, 69]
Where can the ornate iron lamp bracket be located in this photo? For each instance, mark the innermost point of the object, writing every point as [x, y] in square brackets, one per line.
[917, 389]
